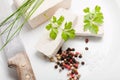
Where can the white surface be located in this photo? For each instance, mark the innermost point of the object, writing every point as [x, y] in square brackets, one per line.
[102, 59]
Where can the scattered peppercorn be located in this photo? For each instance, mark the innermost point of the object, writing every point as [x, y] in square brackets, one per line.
[73, 49]
[68, 59]
[61, 64]
[75, 55]
[51, 59]
[86, 40]
[62, 68]
[58, 63]
[86, 48]
[82, 63]
[60, 51]
[56, 66]
[80, 56]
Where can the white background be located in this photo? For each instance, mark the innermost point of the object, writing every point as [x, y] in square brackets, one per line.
[102, 60]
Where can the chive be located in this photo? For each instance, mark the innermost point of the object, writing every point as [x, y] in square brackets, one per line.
[28, 7]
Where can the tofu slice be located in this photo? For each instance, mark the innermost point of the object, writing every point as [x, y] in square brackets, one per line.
[48, 46]
[45, 11]
[80, 29]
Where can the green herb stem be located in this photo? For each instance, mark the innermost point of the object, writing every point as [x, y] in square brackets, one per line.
[28, 5]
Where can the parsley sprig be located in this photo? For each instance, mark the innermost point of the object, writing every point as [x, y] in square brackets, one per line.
[68, 31]
[54, 27]
[93, 19]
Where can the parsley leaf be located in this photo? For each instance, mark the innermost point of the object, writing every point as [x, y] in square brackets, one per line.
[65, 36]
[68, 31]
[93, 19]
[68, 25]
[49, 26]
[94, 29]
[54, 19]
[53, 33]
[60, 20]
[86, 10]
[97, 8]
[86, 27]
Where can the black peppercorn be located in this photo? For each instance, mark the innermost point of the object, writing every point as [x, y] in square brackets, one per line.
[68, 49]
[62, 58]
[86, 40]
[58, 63]
[73, 49]
[86, 48]
[75, 55]
[80, 56]
[82, 63]
[56, 66]
[61, 64]
[74, 61]
[60, 51]
[62, 68]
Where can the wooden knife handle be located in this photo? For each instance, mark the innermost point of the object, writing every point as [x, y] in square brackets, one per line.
[22, 64]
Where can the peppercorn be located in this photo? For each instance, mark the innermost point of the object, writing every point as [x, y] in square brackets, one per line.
[80, 56]
[72, 75]
[68, 49]
[66, 62]
[60, 51]
[61, 64]
[75, 55]
[67, 59]
[58, 63]
[62, 68]
[62, 58]
[51, 59]
[74, 61]
[82, 63]
[56, 66]
[75, 71]
[70, 55]
[76, 65]
[86, 40]
[86, 48]
[73, 49]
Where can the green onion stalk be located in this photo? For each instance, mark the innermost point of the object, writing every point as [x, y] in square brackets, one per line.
[27, 9]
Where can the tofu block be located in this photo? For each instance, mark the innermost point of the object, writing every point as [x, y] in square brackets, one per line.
[48, 46]
[45, 11]
[80, 29]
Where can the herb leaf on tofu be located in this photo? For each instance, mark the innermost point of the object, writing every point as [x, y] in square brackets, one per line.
[93, 19]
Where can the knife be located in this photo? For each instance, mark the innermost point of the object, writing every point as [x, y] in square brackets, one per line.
[17, 58]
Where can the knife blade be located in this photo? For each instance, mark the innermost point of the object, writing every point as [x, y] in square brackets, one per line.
[17, 58]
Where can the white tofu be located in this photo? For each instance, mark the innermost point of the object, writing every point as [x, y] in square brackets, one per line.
[80, 31]
[48, 46]
[47, 8]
